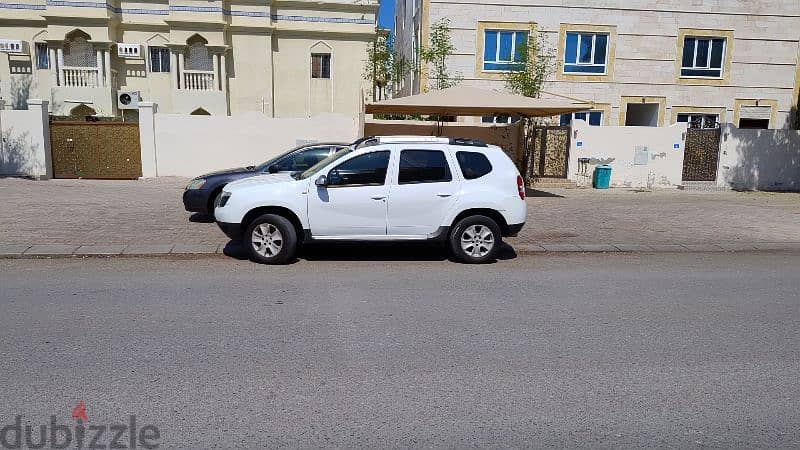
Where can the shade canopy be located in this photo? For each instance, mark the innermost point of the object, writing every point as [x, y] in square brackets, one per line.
[470, 101]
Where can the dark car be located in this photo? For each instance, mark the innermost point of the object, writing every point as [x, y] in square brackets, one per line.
[201, 191]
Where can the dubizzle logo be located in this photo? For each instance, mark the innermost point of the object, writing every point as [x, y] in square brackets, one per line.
[114, 436]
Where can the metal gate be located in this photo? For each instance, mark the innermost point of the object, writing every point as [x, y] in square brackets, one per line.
[549, 152]
[106, 150]
[701, 155]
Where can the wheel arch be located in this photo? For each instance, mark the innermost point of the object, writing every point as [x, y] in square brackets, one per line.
[277, 210]
[488, 212]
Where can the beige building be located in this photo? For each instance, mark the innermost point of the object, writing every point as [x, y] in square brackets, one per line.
[642, 62]
[283, 58]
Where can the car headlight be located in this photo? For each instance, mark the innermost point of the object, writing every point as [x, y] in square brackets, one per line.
[197, 183]
[222, 200]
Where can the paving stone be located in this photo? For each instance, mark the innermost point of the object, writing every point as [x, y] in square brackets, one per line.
[88, 250]
[194, 249]
[147, 249]
[50, 250]
[561, 247]
[598, 248]
[633, 248]
[703, 247]
[13, 249]
[668, 248]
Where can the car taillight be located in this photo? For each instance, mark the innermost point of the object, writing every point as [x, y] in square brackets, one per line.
[521, 187]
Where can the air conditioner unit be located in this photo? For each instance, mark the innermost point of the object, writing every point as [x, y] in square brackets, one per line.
[129, 50]
[128, 99]
[13, 46]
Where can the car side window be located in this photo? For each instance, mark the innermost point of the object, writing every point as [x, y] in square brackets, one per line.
[473, 164]
[366, 169]
[302, 159]
[423, 166]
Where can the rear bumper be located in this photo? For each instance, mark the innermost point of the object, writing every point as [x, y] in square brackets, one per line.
[196, 200]
[514, 229]
[232, 230]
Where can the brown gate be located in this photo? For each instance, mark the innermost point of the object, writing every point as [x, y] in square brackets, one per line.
[107, 150]
[701, 155]
[549, 152]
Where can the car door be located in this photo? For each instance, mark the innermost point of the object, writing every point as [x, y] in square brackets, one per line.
[353, 203]
[302, 159]
[422, 193]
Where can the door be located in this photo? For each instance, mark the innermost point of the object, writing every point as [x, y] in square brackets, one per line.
[104, 150]
[422, 193]
[354, 201]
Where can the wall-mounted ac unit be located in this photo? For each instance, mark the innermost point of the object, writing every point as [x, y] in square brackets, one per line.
[13, 46]
[128, 99]
[129, 50]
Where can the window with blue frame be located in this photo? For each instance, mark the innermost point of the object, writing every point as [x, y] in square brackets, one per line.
[42, 57]
[504, 50]
[703, 57]
[586, 53]
[593, 118]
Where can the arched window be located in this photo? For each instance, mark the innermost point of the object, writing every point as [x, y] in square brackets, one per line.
[78, 52]
[197, 55]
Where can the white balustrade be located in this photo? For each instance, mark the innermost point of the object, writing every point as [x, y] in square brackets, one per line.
[80, 77]
[198, 80]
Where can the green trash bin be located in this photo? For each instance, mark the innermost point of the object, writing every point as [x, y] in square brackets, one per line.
[602, 177]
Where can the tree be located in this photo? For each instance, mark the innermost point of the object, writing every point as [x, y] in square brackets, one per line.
[536, 66]
[436, 53]
[384, 66]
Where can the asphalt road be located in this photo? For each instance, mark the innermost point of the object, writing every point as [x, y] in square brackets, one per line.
[665, 350]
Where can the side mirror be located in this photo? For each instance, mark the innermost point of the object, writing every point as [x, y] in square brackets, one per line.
[273, 169]
[322, 181]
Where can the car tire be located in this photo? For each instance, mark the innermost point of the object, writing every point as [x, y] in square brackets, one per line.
[270, 239]
[475, 240]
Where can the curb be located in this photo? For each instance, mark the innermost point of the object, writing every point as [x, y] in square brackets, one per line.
[12, 251]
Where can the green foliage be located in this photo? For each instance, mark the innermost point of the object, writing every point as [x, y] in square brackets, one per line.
[435, 55]
[537, 63]
[384, 65]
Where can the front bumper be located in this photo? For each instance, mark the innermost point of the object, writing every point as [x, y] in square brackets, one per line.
[514, 229]
[196, 200]
[232, 230]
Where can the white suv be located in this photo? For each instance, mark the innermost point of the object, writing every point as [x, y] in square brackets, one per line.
[382, 189]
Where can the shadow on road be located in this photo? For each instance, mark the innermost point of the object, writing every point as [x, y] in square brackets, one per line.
[201, 218]
[368, 252]
[537, 193]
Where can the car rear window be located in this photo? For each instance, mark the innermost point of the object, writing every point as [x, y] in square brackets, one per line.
[473, 164]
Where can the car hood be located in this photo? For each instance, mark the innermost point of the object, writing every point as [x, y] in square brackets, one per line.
[260, 180]
[234, 171]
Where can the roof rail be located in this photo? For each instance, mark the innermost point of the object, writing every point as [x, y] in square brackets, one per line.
[467, 142]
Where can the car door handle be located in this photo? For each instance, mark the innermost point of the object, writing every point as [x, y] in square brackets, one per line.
[378, 197]
[444, 194]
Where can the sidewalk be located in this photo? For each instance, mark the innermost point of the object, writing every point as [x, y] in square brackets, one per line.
[88, 217]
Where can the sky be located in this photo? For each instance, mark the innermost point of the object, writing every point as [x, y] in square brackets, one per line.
[386, 15]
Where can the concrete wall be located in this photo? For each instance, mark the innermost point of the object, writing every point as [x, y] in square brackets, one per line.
[25, 143]
[759, 159]
[617, 147]
[181, 145]
[505, 136]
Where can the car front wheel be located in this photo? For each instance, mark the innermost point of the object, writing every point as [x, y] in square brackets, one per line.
[271, 239]
[475, 239]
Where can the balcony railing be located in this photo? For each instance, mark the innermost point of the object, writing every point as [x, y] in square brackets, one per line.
[198, 80]
[81, 77]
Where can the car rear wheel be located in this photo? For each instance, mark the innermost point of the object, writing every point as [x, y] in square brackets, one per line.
[271, 239]
[475, 240]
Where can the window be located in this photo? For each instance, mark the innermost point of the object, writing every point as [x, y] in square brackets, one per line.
[585, 53]
[198, 57]
[593, 118]
[366, 169]
[320, 65]
[699, 120]
[159, 59]
[42, 57]
[78, 52]
[423, 166]
[498, 119]
[473, 164]
[703, 57]
[303, 159]
[504, 50]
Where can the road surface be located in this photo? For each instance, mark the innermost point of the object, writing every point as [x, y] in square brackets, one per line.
[623, 350]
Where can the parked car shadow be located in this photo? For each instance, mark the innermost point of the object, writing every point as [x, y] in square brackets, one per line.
[201, 218]
[537, 193]
[368, 252]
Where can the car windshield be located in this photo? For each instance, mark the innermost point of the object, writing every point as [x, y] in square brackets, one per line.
[318, 166]
[264, 166]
